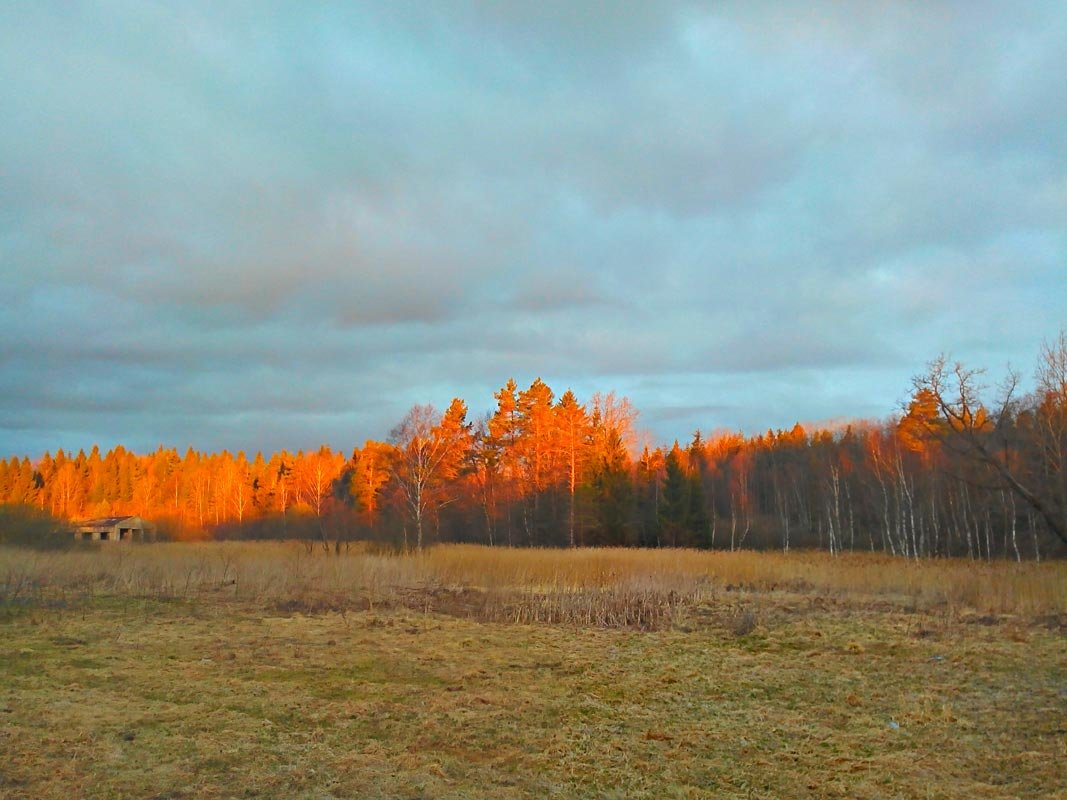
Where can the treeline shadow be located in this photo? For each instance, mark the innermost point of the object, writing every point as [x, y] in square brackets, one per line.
[334, 532]
[29, 526]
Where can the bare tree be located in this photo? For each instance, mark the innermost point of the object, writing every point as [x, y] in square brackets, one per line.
[1048, 434]
[987, 436]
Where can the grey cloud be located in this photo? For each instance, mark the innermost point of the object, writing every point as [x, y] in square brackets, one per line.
[554, 289]
[270, 223]
[670, 414]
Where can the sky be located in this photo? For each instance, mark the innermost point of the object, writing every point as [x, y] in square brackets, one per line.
[265, 225]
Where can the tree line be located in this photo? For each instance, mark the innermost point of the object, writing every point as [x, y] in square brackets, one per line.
[965, 470]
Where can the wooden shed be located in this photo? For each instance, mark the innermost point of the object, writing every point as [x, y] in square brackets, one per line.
[115, 529]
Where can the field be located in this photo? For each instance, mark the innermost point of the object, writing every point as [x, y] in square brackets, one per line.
[262, 670]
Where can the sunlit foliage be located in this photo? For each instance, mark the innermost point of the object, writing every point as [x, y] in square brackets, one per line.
[958, 473]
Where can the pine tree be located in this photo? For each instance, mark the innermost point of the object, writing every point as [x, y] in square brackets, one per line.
[572, 431]
[500, 451]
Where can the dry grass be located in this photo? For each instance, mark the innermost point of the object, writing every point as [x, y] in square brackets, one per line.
[199, 700]
[255, 670]
[601, 587]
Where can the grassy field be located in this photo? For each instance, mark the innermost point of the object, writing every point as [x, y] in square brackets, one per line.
[258, 670]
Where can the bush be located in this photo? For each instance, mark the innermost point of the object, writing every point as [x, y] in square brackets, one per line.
[26, 526]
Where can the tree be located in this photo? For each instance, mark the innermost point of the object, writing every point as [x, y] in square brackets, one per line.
[535, 440]
[370, 472]
[917, 429]
[697, 519]
[1047, 434]
[485, 464]
[534, 450]
[280, 481]
[572, 426]
[613, 493]
[238, 481]
[984, 437]
[499, 450]
[66, 490]
[674, 505]
[316, 473]
[741, 468]
[429, 454]
[647, 497]
[612, 422]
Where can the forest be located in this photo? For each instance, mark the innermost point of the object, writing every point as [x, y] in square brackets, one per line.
[965, 470]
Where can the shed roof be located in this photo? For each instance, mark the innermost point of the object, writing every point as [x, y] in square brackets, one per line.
[105, 522]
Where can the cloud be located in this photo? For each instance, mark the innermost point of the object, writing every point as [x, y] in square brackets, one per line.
[263, 226]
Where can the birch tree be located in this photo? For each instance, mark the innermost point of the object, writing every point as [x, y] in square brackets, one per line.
[430, 452]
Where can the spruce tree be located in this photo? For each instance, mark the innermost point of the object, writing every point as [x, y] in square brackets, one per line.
[613, 495]
[674, 503]
[697, 520]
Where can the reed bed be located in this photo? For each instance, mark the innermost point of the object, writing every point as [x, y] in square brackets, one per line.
[599, 587]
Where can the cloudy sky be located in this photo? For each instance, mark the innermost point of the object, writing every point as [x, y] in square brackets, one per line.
[258, 225]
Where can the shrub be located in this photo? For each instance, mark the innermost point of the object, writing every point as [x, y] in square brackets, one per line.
[26, 526]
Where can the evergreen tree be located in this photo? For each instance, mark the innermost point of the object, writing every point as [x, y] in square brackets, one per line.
[697, 523]
[674, 500]
[648, 492]
[697, 520]
[613, 495]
